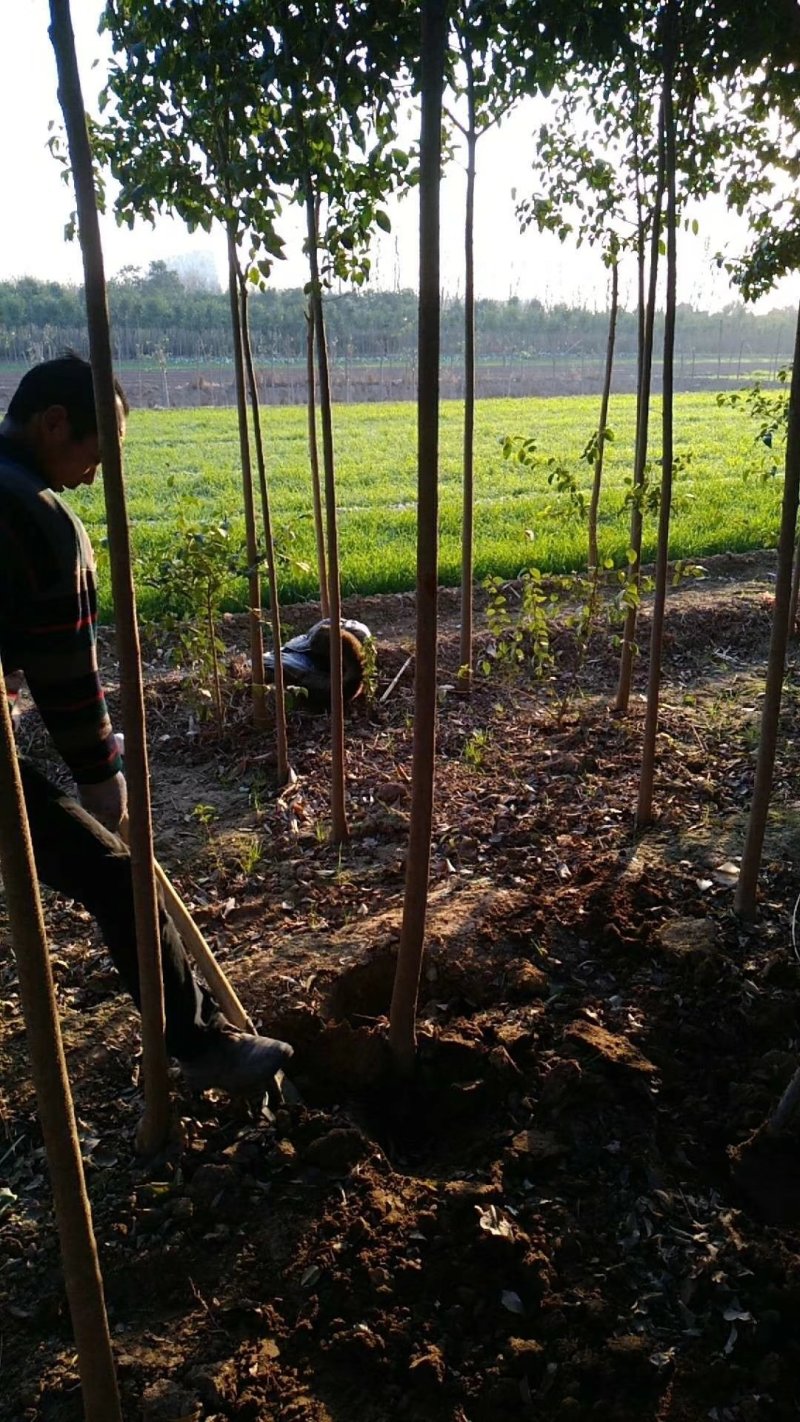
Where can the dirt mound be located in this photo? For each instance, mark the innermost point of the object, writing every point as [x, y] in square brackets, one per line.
[570, 1212]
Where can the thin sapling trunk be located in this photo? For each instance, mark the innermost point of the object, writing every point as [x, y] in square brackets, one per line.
[597, 481]
[212, 642]
[640, 456]
[339, 829]
[402, 1017]
[154, 1126]
[253, 576]
[313, 454]
[285, 773]
[745, 900]
[468, 517]
[644, 808]
[82, 1277]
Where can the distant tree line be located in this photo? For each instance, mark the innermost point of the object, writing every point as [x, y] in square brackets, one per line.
[159, 316]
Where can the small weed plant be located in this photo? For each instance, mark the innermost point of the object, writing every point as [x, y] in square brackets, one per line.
[248, 852]
[517, 615]
[475, 748]
[205, 815]
[193, 578]
[524, 614]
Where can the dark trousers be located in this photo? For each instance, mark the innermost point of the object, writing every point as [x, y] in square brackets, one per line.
[78, 857]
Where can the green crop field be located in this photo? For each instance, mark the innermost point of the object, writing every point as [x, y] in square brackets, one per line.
[187, 461]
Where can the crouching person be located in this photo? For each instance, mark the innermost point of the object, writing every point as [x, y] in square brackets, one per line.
[48, 614]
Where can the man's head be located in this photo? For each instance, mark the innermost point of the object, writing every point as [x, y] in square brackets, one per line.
[52, 411]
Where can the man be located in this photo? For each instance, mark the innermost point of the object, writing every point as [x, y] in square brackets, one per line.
[48, 614]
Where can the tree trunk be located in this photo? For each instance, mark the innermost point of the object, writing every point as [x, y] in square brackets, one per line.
[253, 576]
[82, 1277]
[313, 454]
[644, 809]
[402, 1020]
[339, 830]
[640, 456]
[641, 272]
[154, 1126]
[467, 528]
[281, 740]
[212, 642]
[745, 900]
[594, 505]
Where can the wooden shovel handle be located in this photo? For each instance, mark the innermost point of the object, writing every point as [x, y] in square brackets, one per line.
[193, 939]
[200, 950]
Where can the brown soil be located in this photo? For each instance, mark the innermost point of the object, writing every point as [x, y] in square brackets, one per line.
[572, 1213]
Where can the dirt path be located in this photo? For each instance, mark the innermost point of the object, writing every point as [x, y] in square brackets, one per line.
[549, 1226]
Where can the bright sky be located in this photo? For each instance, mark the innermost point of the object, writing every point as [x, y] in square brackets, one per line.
[507, 262]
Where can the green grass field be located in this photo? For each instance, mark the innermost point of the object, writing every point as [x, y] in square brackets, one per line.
[188, 459]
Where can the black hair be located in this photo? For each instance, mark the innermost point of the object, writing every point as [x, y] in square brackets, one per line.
[65, 381]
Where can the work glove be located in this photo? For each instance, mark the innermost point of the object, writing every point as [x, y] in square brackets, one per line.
[108, 801]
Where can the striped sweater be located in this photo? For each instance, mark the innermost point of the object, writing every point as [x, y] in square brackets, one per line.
[48, 616]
